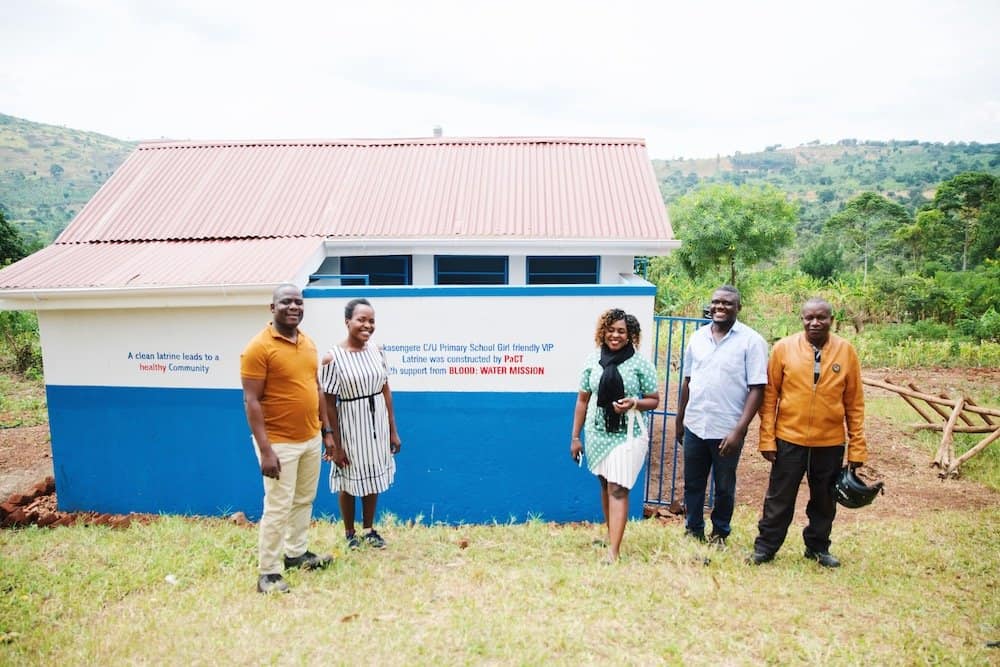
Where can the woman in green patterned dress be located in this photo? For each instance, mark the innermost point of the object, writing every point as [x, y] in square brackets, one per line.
[615, 380]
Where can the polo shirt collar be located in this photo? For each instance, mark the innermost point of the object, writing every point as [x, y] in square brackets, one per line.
[277, 334]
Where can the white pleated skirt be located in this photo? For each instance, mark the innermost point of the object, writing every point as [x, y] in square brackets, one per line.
[623, 464]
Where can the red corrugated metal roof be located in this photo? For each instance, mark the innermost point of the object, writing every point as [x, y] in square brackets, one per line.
[249, 213]
[161, 264]
[551, 188]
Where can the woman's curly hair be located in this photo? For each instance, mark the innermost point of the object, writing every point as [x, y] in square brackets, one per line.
[613, 315]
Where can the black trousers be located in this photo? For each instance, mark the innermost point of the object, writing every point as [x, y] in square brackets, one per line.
[821, 466]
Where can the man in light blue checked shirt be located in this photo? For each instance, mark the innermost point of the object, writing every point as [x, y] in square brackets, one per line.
[725, 371]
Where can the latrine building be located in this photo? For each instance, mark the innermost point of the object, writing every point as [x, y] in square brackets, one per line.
[487, 261]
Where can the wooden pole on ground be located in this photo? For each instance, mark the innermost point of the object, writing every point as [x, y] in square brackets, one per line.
[903, 391]
[968, 422]
[945, 458]
[913, 404]
[953, 467]
[936, 404]
[946, 451]
[986, 418]
[957, 429]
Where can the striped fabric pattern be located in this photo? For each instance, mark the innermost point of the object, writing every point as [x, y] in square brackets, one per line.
[357, 378]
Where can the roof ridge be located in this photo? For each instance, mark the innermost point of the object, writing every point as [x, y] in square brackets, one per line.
[402, 141]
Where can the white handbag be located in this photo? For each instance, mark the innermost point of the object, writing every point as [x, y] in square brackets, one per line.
[636, 445]
[635, 416]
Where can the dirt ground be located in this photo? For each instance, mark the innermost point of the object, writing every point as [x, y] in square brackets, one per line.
[25, 458]
[911, 485]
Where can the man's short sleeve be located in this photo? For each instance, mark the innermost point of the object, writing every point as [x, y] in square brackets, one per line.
[757, 361]
[253, 361]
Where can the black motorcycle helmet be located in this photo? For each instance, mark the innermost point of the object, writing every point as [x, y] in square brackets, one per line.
[851, 492]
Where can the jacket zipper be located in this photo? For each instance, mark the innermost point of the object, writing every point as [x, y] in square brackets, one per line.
[812, 399]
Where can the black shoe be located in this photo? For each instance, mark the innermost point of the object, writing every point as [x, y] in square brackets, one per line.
[824, 558]
[718, 541]
[352, 541]
[308, 561]
[374, 540]
[694, 535]
[759, 557]
[272, 583]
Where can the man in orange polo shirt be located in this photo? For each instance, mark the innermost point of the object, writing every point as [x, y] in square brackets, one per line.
[285, 410]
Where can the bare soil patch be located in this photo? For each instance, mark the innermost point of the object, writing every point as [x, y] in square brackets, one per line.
[25, 458]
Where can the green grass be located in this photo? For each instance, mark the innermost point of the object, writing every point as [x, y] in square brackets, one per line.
[22, 401]
[536, 593]
[916, 353]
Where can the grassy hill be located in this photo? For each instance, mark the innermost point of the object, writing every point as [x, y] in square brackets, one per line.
[823, 177]
[47, 173]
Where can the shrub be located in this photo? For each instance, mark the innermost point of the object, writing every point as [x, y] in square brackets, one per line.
[930, 330]
[20, 350]
[989, 325]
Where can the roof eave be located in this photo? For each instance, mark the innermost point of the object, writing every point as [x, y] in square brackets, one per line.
[174, 296]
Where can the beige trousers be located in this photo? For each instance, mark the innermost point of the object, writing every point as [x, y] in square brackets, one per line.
[288, 503]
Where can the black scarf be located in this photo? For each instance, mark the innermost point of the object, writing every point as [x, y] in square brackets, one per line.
[612, 387]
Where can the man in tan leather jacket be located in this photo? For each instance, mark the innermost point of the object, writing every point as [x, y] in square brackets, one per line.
[813, 405]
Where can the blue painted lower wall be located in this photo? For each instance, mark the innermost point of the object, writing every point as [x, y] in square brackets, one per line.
[466, 457]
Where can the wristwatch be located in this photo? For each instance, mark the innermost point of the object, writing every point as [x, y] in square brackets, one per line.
[326, 430]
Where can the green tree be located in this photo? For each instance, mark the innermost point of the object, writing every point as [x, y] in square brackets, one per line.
[735, 227]
[987, 243]
[868, 222]
[926, 239]
[12, 247]
[964, 199]
[823, 260]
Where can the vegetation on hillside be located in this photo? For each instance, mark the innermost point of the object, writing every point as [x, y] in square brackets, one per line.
[930, 275]
[823, 178]
[49, 173]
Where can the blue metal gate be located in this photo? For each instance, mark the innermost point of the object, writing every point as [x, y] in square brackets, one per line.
[670, 341]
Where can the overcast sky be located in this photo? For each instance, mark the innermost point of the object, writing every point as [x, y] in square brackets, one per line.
[695, 79]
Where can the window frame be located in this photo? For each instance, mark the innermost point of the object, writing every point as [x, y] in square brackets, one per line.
[503, 275]
[406, 274]
[532, 273]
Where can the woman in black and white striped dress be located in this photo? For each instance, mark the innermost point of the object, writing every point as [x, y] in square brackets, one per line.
[359, 404]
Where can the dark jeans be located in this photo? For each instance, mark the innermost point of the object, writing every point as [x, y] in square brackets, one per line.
[700, 456]
[821, 466]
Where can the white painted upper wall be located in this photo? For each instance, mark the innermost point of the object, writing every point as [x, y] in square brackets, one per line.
[433, 343]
